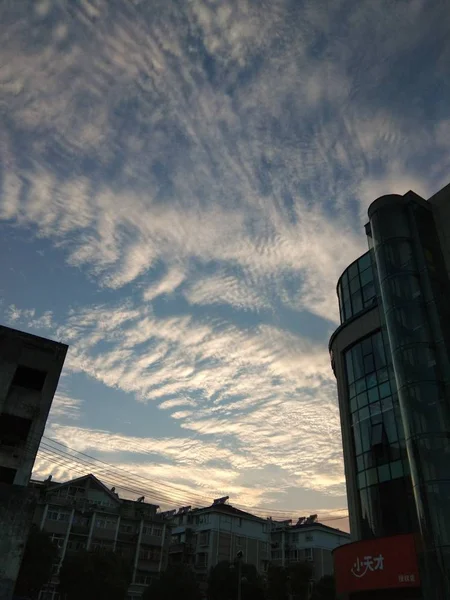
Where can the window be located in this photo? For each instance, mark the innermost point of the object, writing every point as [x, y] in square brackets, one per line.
[49, 593]
[238, 541]
[202, 559]
[106, 523]
[202, 520]
[29, 378]
[76, 545]
[356, 288]
[309, 537]
[203, 538]
[102, 545]
[150, 554]
[308, 553]
[143, 579]
[62, 516]
[80, 521]
[58, 540]
[7, 475]
[13, 430]
[157, 531]
[55, 515]
[76, 491]
[239, 522]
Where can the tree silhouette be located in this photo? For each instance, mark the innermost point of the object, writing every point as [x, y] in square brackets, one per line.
[293, 580]
[177, 582]
[223, 582]
[36, 568]
[93, 575]
[325, 589]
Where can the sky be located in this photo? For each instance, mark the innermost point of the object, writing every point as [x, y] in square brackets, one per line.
[181, 185]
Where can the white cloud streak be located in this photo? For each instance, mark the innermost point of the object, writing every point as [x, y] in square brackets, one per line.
[220, 156]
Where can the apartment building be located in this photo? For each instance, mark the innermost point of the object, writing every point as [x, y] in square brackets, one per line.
[203, 537]
[84, 514]
[306, 541]
[30, 367]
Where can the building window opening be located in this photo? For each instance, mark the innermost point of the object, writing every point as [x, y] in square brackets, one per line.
[13, 430]
[7, 475]
[29, 378]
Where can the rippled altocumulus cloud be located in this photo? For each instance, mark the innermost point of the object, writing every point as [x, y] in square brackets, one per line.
[218, 157]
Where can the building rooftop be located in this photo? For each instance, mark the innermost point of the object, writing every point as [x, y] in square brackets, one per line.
[31, 337]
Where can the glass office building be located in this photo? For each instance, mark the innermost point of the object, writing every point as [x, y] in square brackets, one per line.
[390, 356]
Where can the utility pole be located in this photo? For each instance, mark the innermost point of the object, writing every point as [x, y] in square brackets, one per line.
[239, 561]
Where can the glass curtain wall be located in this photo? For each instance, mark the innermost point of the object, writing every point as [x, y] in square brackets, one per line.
[356, 288]
[421, 372]
[379, 441]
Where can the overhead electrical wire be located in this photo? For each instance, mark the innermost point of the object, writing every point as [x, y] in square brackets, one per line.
[151, 493]
[132, 483]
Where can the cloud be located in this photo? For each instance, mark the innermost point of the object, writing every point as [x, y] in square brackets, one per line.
[220, 158]
[185, 463]
[248, 398]
[227, 289]
[64, 407]
[13, 313]
[167, 284]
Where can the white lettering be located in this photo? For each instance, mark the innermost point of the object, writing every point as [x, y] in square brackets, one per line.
[368, 563]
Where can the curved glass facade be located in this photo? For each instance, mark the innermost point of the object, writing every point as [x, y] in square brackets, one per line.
[383, 479]
[402, 231]
[356, 287]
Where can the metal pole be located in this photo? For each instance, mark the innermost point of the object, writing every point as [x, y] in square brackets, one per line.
[239, 579]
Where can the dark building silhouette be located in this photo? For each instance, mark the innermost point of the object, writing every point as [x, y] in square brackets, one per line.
[30, 367]
[390, 356]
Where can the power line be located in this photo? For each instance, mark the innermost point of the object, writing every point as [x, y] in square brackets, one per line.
[113, 467]
[163, 497]
[80, 469]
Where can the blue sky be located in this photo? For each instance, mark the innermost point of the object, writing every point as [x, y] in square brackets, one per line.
[181, 185]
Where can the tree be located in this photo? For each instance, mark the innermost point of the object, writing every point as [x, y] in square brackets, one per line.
[325, 589]
[35, 571]
[291, 581]
[277, 583]
[299, 576]
[223, 582]
[177, 582]
[93, 575]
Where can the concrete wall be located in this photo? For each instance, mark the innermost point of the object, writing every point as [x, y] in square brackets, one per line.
[20, 401]
[323, 562]
[16, 512]
[219, 536]
[21, 349]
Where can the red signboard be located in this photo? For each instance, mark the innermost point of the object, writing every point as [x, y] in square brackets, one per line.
[383, 563]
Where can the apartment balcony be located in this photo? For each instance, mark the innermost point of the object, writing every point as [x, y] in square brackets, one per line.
[149, 566]
[127, 537]
[80, 529]
[181, 547]
[105, 534]
[151, 540]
